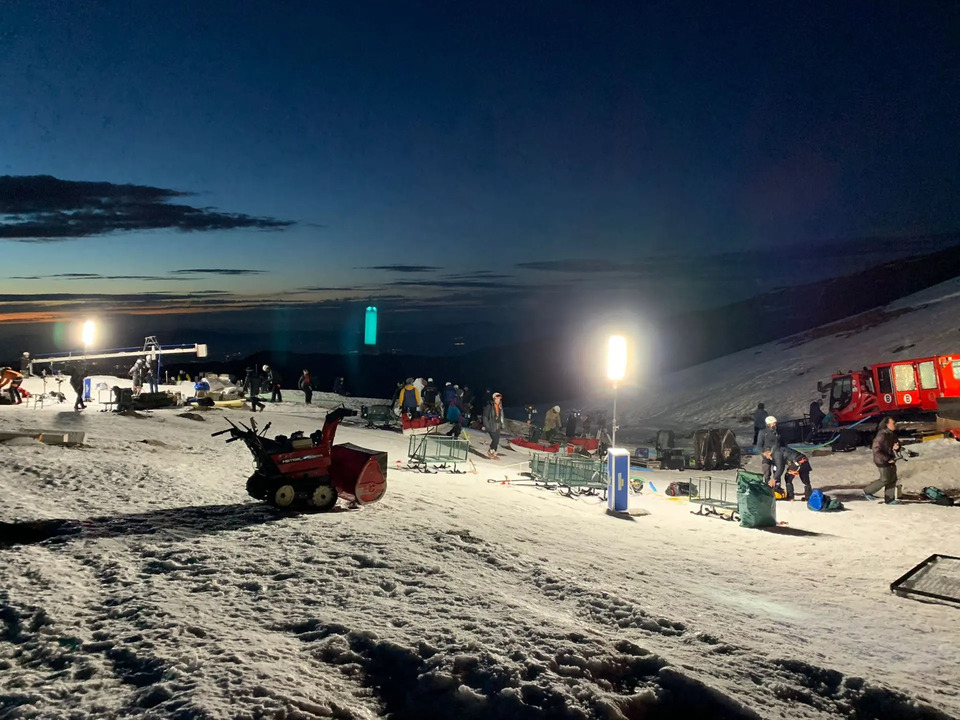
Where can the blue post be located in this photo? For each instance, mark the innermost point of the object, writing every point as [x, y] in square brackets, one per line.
[87, 390]
[618, 474]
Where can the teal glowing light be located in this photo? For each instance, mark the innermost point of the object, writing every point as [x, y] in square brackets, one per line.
[370, 327]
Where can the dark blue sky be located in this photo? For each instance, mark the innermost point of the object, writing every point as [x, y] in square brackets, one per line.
[495, 144]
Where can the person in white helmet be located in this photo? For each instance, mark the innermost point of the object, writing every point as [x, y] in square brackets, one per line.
[25, 364]
[273, 378]
[551, 423]
[768, 445]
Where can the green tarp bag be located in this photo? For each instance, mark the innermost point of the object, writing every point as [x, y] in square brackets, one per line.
[756, 503]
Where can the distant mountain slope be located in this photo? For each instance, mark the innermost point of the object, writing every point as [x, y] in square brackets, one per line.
[783, 374]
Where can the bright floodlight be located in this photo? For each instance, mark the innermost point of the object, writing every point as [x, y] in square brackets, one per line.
[87, 333]
[617, 358]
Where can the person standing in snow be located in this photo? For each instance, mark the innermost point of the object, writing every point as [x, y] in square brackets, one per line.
[305, 385]
[551, 423]
[251, 388]
[885, 447]
[76, 382]
[151, 372]
[25, 364]
[493, 423]
[816, 414]
[273, 377]
[429, 397]
[759, 421]
[768, 439]
[454, 416]
[136, 372]
[449, 393]
[466, 403]
[410, 399]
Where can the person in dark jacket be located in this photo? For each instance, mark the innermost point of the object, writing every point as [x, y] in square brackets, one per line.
[493, 423]
[304, 384]
[816, 414]
[466, 402]
[151, 375]
[251, 388]
[768, 439]
[449, 393]
[885, 447]
[76, 382]
[338, 386]
[789, 464]
[429, 396]
[273, 378]
[410, 399]
[759, 421]
[25, 364]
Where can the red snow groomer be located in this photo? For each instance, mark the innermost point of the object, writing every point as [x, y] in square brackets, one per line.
[300, 472]
[909, 389]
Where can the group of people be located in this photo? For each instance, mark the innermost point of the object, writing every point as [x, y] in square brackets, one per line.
[254, 383]
[145, 369]
[417, 397]
[781, 461]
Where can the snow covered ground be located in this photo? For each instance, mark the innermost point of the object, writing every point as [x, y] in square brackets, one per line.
[137, 579]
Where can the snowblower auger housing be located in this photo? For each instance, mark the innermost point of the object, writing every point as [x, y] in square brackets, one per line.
[299, 473]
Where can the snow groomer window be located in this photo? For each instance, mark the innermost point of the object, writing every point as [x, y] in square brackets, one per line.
[904, 378]
[883, 374]
[956, 369]
[928, 376]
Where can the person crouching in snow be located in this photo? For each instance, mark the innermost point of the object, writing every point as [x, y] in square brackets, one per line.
[11, 377]
[493, 422]
[410, 399]
[790, 463]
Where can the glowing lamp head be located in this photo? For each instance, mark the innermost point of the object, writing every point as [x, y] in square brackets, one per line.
[87, 333]
[616, 358]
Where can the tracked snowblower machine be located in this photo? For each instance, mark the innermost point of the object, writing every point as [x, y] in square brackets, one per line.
[301, 473]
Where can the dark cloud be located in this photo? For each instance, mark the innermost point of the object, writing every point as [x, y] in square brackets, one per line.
[93, 276]
[479, 274]
[403, 268]
[42, 208]
[486, 284]
[217, 271]
[323, 288]
[575, 266]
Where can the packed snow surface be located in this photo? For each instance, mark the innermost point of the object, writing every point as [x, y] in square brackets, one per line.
[137, 578]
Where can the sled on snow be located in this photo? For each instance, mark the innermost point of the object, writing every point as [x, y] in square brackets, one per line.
[444, 452]
[424, 425]
[572, 474]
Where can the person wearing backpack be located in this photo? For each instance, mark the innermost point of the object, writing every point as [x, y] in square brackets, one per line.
[885, 447]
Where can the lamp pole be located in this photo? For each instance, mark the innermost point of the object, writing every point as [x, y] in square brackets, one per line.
[613, 440]
[616, 370]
